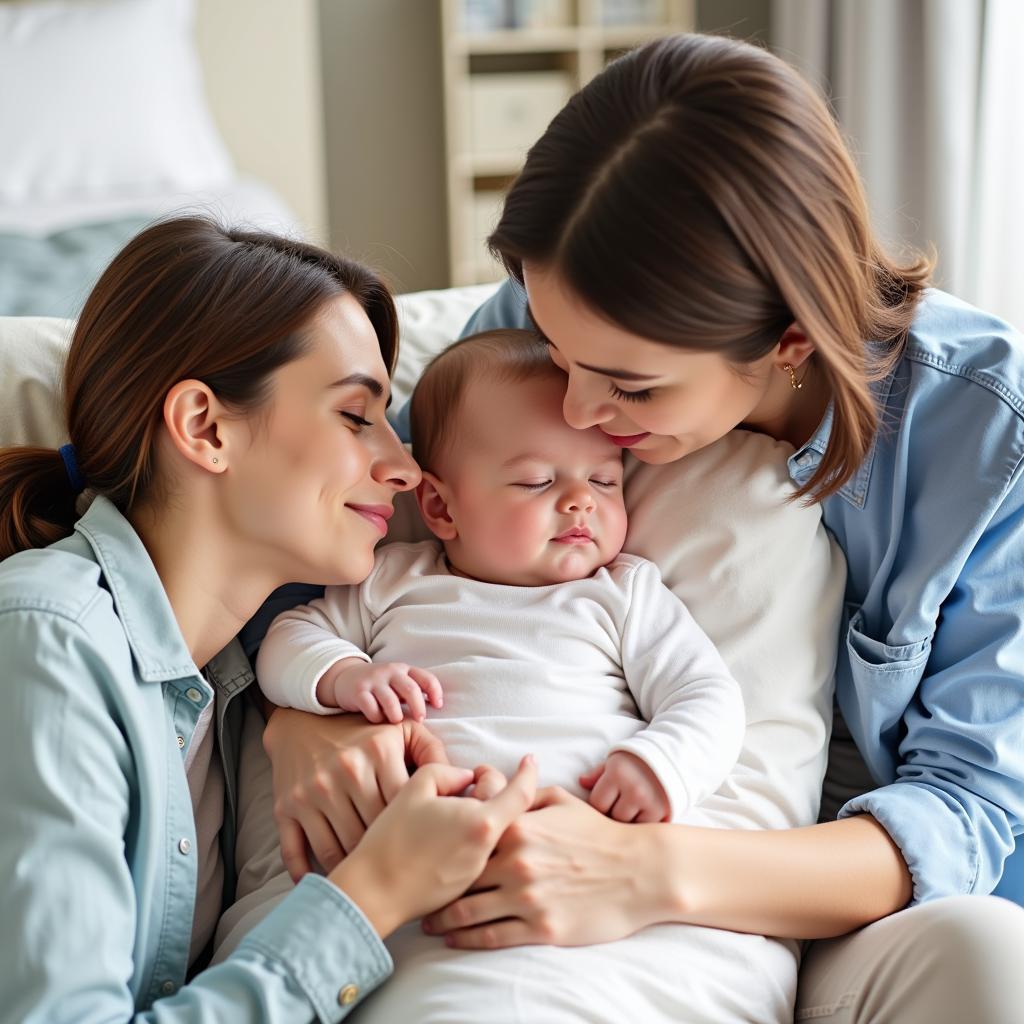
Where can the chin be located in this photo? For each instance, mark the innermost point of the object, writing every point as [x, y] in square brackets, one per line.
[348, 573]
[671, 451]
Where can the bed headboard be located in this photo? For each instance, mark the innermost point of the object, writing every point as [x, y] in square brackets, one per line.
[261, 65]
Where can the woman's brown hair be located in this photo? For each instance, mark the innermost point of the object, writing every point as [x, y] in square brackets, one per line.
[185, 299]
[698, 193]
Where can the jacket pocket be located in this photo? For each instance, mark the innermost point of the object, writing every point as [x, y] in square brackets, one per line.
[870, 657]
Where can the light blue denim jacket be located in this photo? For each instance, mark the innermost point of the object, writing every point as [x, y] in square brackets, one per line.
[930, 676]
[97, 837]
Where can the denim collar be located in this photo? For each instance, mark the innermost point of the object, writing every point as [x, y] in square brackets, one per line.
[140, 599]
[805, 460]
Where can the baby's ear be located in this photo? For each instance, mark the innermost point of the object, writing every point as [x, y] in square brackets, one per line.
[433, 496]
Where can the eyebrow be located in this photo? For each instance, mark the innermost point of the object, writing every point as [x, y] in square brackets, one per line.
[528, 457]
[603, 370]
[371, 384]
[612, 460]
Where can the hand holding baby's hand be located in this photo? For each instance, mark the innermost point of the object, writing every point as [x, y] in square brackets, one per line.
[378, 691]
[626, 789]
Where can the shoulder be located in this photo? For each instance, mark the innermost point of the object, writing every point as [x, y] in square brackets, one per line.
[402, 563]
[965, 347]
[59, 629]
[631, 572]
[57, 581]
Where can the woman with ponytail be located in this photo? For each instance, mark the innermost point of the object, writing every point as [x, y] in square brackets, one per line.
[224, 397]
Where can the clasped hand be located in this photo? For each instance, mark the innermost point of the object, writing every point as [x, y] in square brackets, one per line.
[562, 873]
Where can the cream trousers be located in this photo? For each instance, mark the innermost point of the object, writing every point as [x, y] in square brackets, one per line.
[958, 960]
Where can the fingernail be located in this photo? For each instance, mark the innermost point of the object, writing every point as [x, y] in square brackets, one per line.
[427, 927]
[449, 940]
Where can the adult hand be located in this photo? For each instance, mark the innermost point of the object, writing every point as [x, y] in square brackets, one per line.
[429, 843]
[563, 874]
[333, 776]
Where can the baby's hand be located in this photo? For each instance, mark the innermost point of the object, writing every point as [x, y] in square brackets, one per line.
[379, 691]
[625, 789]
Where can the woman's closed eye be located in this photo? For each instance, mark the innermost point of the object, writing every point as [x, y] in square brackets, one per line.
[358, 420]
[644, 395]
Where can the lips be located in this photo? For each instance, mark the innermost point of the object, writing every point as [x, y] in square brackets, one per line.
[627, 440]
[575, 535]
[376, 514]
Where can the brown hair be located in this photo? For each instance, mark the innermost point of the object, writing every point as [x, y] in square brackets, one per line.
[505, 355]
[698, 193]
[186, 298]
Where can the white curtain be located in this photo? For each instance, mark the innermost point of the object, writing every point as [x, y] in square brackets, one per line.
[930, 94]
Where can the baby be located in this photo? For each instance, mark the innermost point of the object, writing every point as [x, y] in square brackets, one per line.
[523, 626]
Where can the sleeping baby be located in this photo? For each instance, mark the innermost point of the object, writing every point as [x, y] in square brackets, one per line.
[523, 626]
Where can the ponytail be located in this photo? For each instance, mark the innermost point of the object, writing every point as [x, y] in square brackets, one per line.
[37, 499]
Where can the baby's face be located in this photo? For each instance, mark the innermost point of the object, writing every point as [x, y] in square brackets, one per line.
[533, 501]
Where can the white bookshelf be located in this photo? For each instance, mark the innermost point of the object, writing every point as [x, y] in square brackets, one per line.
[502, 85]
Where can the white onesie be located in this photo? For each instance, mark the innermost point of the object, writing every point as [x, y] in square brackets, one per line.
[558, 670]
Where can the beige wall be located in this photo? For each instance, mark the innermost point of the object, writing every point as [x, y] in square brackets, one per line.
[385, 143]
[262, 76]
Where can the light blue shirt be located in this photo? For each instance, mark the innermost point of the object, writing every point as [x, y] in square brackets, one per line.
[930, 675]
[97, 837]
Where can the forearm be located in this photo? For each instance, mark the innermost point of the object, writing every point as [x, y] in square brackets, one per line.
[806, 883]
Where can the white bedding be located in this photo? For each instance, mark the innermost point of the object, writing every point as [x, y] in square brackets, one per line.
[243, 201]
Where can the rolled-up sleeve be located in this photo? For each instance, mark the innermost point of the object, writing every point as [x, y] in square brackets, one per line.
[957, 801]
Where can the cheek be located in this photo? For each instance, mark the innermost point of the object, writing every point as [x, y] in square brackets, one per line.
[508, 526]
[616, 524]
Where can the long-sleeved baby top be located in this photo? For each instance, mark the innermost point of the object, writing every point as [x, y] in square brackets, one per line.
[569, 672]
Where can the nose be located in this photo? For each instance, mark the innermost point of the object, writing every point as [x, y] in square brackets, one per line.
[393, 465]
[579, 409]
[577, 498]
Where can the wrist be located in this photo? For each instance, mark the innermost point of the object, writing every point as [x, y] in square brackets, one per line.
[327, 684]
[358, 881]
[662, 894]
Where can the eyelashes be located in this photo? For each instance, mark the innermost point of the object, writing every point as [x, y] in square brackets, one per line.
[629, 396]
[607, 484]
[357, 420]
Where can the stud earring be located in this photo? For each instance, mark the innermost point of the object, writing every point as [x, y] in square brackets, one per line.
[795, 384]
[215, 460]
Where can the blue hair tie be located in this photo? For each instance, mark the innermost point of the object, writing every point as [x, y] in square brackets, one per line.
[77, 481]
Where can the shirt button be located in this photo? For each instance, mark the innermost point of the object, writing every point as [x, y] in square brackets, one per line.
[167, 987]
[181, 742]
[184, 845]
[348, 995]
[193, 695]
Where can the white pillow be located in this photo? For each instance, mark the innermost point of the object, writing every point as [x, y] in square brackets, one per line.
[103, 97]
[429, 322]
[32, 350]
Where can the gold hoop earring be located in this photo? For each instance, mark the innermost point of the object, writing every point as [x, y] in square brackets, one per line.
[795, 384]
